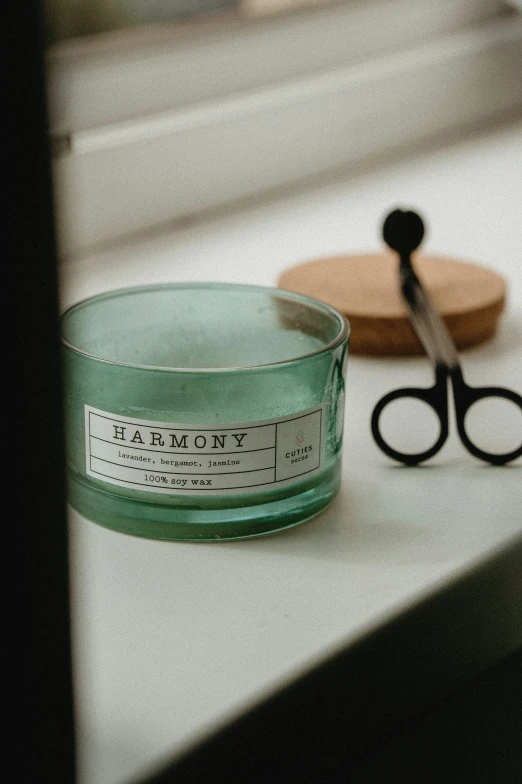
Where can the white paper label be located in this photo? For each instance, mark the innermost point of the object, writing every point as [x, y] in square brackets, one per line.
[162, 457]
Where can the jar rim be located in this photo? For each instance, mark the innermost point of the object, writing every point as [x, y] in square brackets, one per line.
[317, 305]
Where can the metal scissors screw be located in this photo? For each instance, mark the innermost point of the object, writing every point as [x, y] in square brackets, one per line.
[403, 233]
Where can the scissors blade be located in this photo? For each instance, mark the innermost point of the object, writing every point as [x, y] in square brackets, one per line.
[426, 321]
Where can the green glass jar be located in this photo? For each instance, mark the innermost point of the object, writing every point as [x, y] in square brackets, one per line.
[203, 411]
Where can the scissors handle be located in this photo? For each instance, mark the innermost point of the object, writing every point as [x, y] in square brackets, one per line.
[465, 396]
[436, 397]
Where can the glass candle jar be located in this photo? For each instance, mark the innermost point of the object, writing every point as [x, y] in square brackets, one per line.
[203, 411]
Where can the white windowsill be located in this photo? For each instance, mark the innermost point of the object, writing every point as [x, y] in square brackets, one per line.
[173, 639]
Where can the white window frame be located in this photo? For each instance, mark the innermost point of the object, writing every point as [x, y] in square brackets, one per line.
[167, 122]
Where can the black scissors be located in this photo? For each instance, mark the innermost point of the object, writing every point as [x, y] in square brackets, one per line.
[403, 233]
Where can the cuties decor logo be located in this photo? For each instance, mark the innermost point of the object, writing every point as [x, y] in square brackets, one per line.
[300, 437]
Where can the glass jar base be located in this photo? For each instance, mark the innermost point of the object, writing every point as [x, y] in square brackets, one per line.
[161, 521]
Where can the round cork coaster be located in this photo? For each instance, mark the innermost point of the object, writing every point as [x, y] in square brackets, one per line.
[366, 289]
